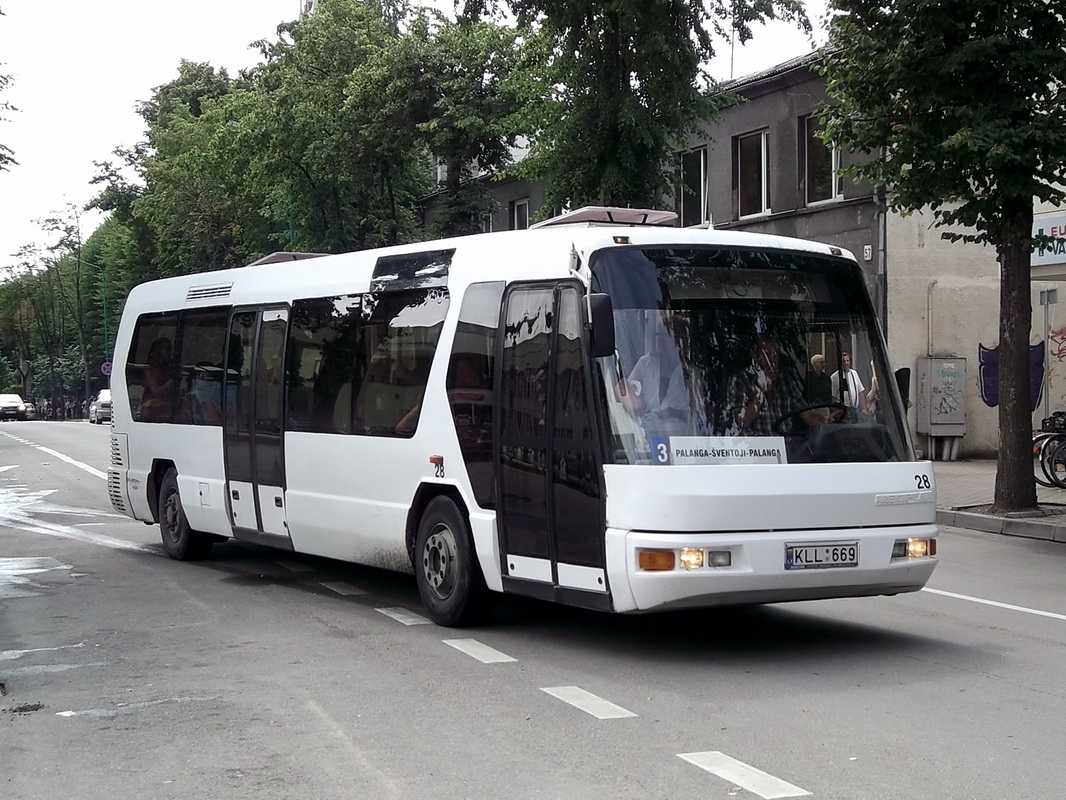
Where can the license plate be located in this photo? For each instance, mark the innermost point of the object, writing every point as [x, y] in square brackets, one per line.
[822, 556]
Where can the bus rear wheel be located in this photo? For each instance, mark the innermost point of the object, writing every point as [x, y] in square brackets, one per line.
[180, 541]
[449, 579]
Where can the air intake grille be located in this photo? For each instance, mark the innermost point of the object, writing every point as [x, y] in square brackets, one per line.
[208, 292]
[114, 490]
[116, 453]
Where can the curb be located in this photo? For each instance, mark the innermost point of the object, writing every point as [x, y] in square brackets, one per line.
[1027, 528]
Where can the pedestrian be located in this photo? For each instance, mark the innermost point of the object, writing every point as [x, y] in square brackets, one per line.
[819, 385]
[854, 392]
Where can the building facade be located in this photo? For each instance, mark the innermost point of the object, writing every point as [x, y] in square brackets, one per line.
[760, 166]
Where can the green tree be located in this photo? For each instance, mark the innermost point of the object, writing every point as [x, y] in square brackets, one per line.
[629, 87]
[339, 184]
[7, 156]
[453, 90]
[194, 176]
[960, 106]
[16, 325]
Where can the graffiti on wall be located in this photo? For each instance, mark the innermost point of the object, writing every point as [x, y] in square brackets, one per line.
[988, 373]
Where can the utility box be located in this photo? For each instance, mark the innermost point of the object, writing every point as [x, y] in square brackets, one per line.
[941, 395]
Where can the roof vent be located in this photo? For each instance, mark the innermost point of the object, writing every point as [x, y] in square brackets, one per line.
[208, 292]
[589, 216]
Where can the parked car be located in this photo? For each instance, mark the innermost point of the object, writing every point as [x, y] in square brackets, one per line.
[12, 406]
[31, 411]
[100, 408]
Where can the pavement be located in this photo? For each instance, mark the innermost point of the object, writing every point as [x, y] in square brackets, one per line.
[965, 490]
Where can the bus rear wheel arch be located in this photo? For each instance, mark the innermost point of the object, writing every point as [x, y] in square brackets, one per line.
[449, 578]
[180, 541]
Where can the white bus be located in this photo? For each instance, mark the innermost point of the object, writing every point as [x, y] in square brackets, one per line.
[624, 417]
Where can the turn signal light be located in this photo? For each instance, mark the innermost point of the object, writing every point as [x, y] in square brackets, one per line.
[657, 560]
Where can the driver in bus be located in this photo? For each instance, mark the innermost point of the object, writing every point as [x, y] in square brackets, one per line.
[656, 392]
[766, 400]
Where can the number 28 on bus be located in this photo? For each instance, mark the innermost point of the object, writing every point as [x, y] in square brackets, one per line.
[604, 410]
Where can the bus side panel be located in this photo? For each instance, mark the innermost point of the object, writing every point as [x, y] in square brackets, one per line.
[348, 496]
[196, 452]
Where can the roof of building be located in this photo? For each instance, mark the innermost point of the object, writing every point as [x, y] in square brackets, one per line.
[804, 61]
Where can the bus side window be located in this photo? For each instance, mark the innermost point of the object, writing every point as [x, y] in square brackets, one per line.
[398, 338]
[323, 342]
[471, 372]
[151, 378]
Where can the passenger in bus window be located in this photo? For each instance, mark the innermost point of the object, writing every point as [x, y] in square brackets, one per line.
[158, 385]
[655, 391]
[873, 397]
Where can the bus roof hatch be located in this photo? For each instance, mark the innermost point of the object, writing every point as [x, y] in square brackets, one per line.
[588, 216]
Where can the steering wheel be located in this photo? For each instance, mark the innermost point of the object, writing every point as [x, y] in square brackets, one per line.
[778, 423]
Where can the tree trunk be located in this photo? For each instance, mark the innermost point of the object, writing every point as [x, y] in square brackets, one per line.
[1015, 485]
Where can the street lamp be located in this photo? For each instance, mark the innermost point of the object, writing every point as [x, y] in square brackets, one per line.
[103, 301]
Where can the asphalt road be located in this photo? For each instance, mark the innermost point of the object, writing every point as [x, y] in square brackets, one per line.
[260, 674]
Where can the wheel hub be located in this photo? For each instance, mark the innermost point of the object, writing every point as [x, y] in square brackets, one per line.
[439, 562]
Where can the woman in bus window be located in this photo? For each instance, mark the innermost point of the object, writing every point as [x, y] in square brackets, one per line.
[158, 382]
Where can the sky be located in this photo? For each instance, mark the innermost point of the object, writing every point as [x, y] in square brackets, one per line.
[78, 70]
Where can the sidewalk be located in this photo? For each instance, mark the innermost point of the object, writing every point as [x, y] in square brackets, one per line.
[963, 487]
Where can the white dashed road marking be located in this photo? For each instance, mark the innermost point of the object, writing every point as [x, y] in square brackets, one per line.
[482, 652]
[588, 702]
[743, 775]
[403, 615]
[345, 589]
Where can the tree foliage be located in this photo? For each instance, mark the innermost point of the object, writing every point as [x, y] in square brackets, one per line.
[7, 156]
[960, 106]
[628, 87]
[453, 91]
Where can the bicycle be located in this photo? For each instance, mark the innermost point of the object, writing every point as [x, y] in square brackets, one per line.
[1049, 451]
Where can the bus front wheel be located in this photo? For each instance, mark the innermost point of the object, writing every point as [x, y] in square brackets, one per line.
[446, 569]
[180, 541]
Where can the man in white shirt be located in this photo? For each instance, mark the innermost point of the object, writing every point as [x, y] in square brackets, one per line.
[854, 391]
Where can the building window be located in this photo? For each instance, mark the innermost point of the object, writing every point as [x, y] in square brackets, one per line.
[519, 214]
[821, 175]
[753, 181]
[692, 202]
[486, 222]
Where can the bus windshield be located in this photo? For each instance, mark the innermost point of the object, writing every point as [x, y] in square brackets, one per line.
[727, 355]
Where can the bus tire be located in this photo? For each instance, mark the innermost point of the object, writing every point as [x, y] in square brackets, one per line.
[449, 579]
[180, 541]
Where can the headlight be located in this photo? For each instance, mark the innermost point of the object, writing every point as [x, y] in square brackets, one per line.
[914, 548]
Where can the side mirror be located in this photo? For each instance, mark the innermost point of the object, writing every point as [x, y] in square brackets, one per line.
[903, 383]
[599, 320]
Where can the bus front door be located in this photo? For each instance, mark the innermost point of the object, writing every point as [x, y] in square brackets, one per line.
[550, 491]
[255, 465]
